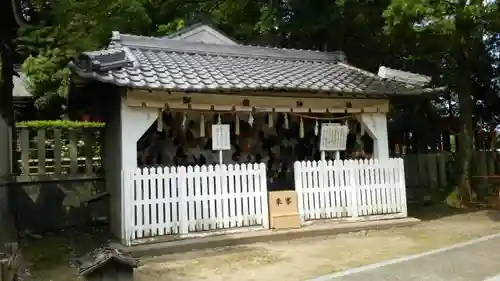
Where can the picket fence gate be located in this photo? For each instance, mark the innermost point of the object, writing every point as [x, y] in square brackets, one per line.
[355, 189]
[182, 200]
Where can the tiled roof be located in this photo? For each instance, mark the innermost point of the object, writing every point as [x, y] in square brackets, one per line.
[174, 65]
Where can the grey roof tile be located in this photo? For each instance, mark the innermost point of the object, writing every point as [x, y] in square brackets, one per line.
[159, 63]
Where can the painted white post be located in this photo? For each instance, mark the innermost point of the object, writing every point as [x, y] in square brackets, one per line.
[265, 203]
[376, 126]
[126, 206]
[183, 204]
[321, 207]
[402, 186]
[123, 211]
[297, 170]
[351, 166]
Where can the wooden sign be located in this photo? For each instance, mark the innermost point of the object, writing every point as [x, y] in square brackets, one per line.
[221, 138]
[333, 137]
[283, 210]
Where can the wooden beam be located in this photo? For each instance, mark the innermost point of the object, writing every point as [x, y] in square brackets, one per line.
[246, 103]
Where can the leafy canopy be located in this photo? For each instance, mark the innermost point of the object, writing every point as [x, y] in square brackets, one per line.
[71, 27]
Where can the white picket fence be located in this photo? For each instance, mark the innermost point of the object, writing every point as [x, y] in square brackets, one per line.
[179, 200]
[352, 189]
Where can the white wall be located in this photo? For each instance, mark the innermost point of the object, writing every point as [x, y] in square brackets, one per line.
[376, 126]
[124, 126]
[134, 122]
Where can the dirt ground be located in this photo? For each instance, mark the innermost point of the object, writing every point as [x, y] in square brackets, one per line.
[305, 258]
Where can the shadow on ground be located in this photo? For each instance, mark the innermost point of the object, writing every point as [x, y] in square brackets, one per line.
[494, 215]
[51, 250]
[437, 211]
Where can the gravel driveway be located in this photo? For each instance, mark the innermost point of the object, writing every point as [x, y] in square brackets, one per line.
[299, 260]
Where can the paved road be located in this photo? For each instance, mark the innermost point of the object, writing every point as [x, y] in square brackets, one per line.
[477, 260]
[493, 278]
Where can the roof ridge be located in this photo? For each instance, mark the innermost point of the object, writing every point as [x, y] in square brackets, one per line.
[148, 42]
[187, 29]
[361, 70]
[403, 76]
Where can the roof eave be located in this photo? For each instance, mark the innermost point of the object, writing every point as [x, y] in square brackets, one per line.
[419, 92]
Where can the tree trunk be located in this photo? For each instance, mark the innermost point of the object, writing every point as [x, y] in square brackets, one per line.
[463, 35]
[464, 191]
[6, 125]
[7, 35]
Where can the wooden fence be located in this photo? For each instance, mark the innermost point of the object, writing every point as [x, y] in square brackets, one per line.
[58, 174]
[350, 189]
[57, 153]
[431, 176]
[180, 200]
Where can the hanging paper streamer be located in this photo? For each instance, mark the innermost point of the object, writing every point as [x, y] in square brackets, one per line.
[316, 128]
[301, 128]
[202, 126]
[286, 121]
[147, 113]
[250, 120]
[219, 119]
[270, 121]
[184, 121]
[159, 123]
[237, 125]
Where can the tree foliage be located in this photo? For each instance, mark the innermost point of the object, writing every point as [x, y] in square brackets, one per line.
[454, 41]
[454, 36]
[71, 27]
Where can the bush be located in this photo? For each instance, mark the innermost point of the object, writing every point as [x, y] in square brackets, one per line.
[59, 124]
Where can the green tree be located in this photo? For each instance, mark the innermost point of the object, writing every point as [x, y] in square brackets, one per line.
[452, 35]
[69, 28]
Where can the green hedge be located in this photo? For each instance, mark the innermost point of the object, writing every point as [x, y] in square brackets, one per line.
[59, 124]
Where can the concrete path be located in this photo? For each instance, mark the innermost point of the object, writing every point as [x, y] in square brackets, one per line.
[476, 260]
[165, 245]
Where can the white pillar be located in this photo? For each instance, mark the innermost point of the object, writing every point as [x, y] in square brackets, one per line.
[134, 122]
[376, 126]
[130, 125]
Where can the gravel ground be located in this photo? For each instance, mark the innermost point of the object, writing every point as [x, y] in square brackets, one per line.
[295, 260]
[307, 258]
